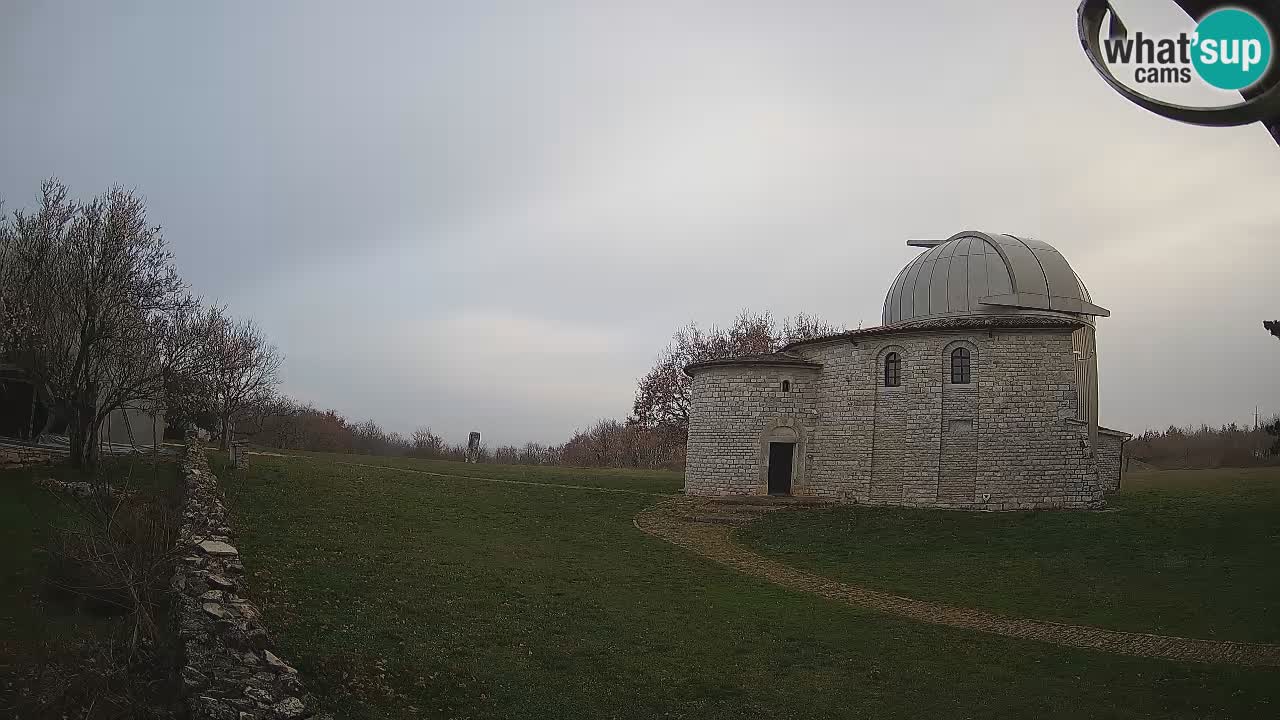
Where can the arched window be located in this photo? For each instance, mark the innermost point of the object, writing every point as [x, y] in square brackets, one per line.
[960, 366]
[786, 386]
[892, 370]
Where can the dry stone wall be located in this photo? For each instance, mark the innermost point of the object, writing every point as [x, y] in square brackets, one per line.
[231, 671]
[1005, 441]
[17, 457]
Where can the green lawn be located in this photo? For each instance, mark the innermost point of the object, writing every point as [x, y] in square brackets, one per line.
[650, 481]
[47, 634]
[1190, 553]
[405, 595]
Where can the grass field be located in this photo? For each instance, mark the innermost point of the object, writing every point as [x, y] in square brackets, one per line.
[404, 594]
[1190, 553]
[642, 481]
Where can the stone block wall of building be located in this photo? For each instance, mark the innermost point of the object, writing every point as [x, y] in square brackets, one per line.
[1001, 442]
[1110, 459]
[1033, 455]
[958, 454]
[732, 407]
[844, 433]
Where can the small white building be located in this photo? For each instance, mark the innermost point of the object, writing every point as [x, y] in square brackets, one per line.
[28, 411]
[134, 426]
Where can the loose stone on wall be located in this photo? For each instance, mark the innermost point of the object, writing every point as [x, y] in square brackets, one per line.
[230, 671]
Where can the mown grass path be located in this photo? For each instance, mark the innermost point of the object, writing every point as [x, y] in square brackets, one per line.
[673, 521]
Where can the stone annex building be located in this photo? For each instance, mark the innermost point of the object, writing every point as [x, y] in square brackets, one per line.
[979, 391]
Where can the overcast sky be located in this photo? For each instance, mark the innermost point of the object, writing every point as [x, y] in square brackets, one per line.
[493, 215]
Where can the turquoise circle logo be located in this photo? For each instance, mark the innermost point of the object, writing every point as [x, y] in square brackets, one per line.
[1233, 49]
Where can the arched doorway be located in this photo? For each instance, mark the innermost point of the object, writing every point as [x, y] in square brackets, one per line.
[782, 460]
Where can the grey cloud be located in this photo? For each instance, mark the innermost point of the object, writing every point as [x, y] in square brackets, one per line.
[493, 215]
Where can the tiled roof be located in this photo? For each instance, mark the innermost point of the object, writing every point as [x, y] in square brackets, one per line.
[994, 322]
[776, 358]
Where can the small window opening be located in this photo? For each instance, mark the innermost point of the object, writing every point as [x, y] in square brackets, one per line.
[892, 370]
[960, 366]
[786, 386]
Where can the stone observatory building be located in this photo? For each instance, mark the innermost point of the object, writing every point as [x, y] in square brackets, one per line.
[979, 391]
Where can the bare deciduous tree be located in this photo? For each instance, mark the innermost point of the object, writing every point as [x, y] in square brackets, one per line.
[95, 307]
[662, 396]
[245, 374]
[427, 444]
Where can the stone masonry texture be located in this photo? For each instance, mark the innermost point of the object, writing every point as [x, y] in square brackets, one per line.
[1008, 440]
[1110, 449]
[230, 671]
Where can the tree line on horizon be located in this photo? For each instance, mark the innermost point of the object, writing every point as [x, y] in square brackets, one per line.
[656, 432]
[1201, 447]
[654, 435]
[93, 307]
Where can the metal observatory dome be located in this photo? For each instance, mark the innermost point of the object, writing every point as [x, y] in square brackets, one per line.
[979, 274]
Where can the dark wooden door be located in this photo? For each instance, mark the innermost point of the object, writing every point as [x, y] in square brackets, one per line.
[780, 454]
